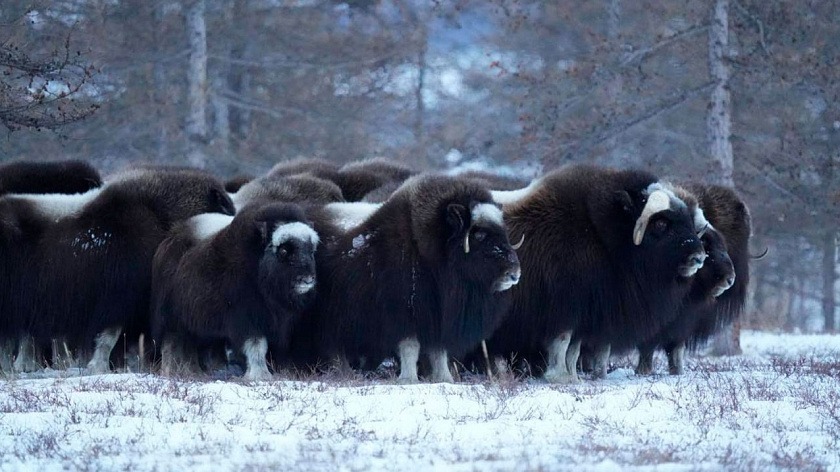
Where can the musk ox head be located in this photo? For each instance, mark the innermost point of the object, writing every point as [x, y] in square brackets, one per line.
[479, 245]
[718, 273]
[286, 272]
[177, 194]
[669, 228]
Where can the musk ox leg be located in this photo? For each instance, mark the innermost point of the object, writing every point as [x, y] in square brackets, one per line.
[676, 359]
[601, 360]
[572, 356]
[28, 355]
[7, 352]
[645, 365]
[556, 371]
[255, 350]
[100, 362]
[409, 352]
[175, 358]
[440, 366]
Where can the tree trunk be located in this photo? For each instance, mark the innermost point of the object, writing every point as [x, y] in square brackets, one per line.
[239, 81]
[420, 116]
[829, 273]
[196, 125]
[719, 128]
[161, 84]
[718, 122]
[221, 76]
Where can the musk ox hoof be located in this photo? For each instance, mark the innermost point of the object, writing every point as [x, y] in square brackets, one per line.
[560, 378]
[257, 376]
[644, 370]
[407, 381]
[679, 370]
[94, 368]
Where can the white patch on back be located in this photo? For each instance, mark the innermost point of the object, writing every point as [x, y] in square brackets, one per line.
[348, 215]
[207, 225]
[507, 197]
[55, 206]
[296, 230]
[487, 213]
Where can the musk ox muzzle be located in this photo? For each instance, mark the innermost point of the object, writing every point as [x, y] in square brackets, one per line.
[511, 275]
[304, 284]
[695, 260]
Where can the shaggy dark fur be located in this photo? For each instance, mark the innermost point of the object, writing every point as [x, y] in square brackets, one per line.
[48, 177]
[235, 183]
[92, 270]
[236, 285]
[582, 272]
[403, 274]
[318, 167]
[494, 181]
[357, 179]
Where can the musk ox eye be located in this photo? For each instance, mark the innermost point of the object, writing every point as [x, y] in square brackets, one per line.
[480, 236]
[660, 226]
[282, 251]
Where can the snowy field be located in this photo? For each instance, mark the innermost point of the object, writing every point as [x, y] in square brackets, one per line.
[775, 407]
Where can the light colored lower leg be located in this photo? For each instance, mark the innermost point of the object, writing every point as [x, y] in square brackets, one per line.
[572, 356]
[556, 371]
[168, 355]
[409, 353]
[440, 366]
[645, 365]
[7, 352]
[28, 356]
[100, 362]
[255, 350]
[676, 360]
[601, 360]
[501, 365]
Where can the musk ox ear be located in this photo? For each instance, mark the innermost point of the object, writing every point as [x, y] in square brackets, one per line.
[264, 231]
[457, 216]
[221, 202]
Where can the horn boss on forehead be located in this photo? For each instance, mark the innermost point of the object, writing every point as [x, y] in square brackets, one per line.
[658, 201]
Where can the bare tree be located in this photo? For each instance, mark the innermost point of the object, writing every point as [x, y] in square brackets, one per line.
[196, 122]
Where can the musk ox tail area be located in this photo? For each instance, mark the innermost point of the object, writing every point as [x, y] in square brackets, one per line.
[66, 177]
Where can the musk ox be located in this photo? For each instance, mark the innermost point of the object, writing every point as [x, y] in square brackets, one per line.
[294, 189]
[90, 275]
[304, 165]
[606, 257]
[429, 270]
[65, 177]
[493, 181]
[242, 280]
[719, 289]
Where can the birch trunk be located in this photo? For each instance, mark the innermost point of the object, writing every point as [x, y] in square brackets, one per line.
[196, 125]
[829, 279]
[160, 84]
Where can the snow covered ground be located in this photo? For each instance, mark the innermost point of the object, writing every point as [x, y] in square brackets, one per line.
[775, 407]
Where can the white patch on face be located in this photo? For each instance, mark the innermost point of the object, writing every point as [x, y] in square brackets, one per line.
[507, 197]
[487, 213]
[296, 230]
[348, 215]
[58, 206]
[207, 225]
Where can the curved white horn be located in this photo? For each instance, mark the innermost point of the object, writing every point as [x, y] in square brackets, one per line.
[519, 244]
[657, 201]
[467, 242]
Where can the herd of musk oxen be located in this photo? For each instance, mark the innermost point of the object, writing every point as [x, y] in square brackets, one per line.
[314, 264]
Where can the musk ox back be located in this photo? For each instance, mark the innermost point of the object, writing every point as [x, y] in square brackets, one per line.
[233, 184]
[605, 257]
[66, 177]
[429, 270]
[358, 179]
[294, 189]
[92, 269]
[242, 280]
[493, 181]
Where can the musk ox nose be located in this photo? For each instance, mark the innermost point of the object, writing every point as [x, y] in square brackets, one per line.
[724, 286]
[693, 264]
[304, 284]
[508, 279]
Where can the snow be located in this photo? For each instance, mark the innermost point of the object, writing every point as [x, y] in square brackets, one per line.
[775, 407]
